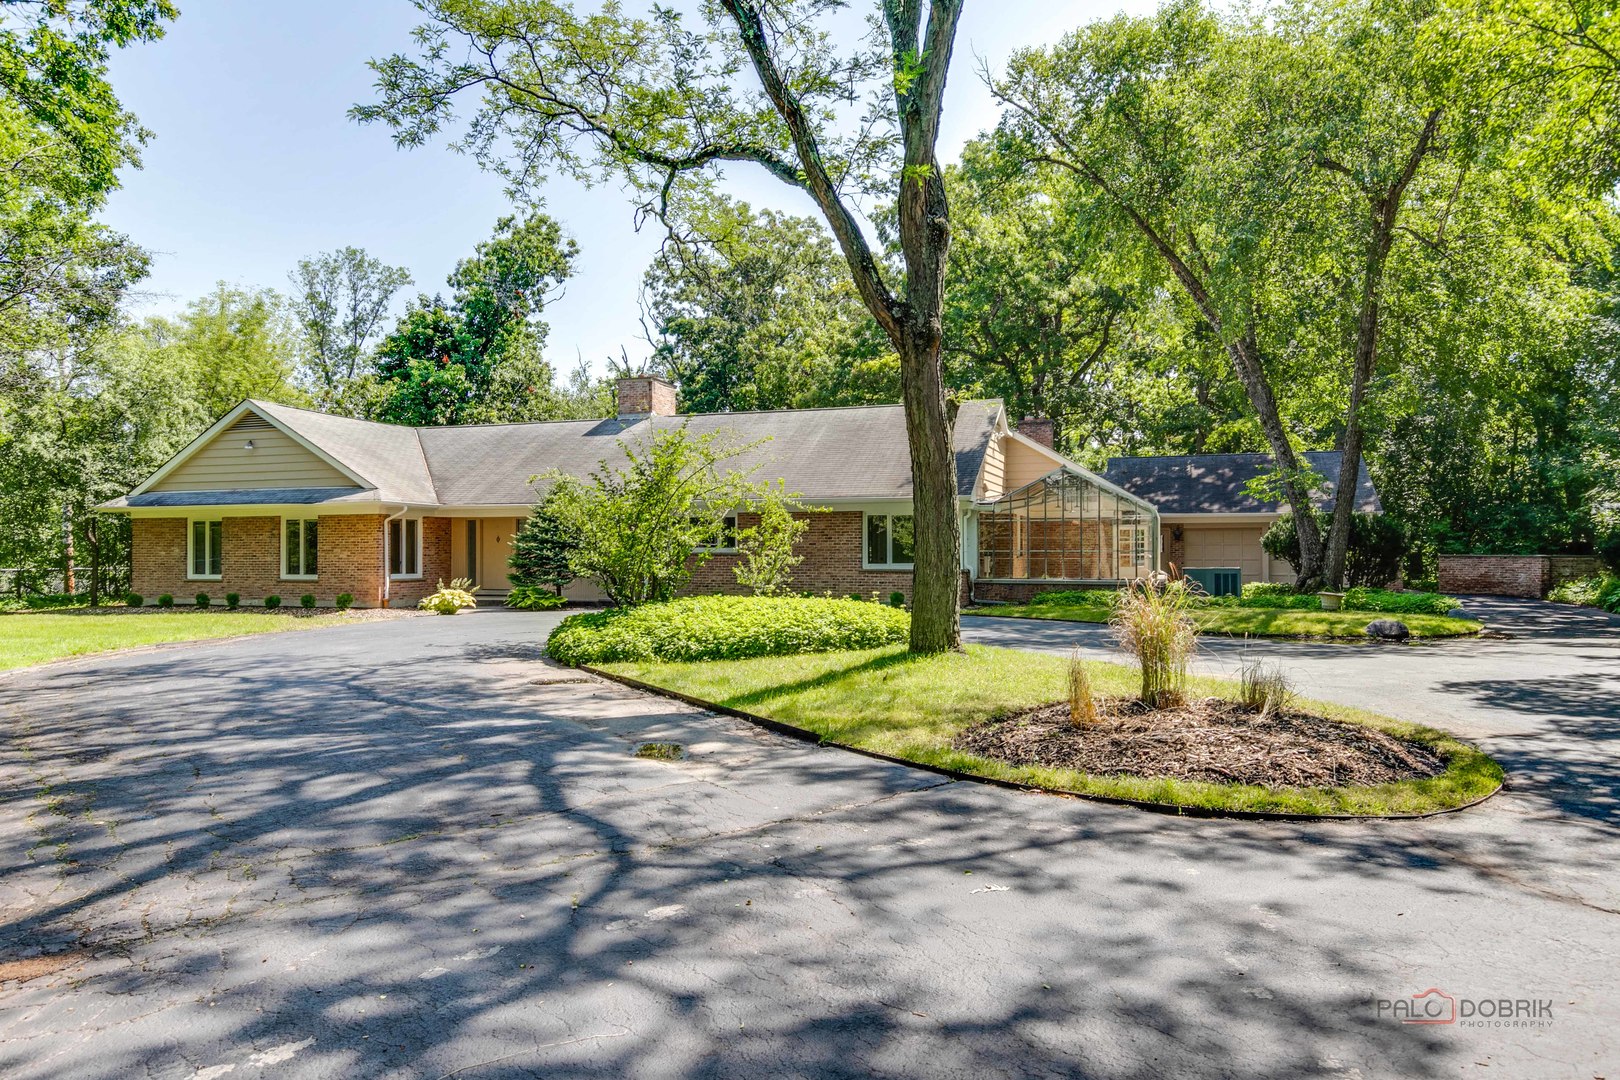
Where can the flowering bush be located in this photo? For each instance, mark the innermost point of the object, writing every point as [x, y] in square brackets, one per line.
[449, 599]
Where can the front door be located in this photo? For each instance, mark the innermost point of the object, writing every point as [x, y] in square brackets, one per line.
[494, 548]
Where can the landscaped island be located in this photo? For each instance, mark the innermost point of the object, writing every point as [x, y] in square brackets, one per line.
[1147, 734]
[919, 709]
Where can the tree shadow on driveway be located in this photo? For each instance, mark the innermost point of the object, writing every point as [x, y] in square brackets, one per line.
[402, 857]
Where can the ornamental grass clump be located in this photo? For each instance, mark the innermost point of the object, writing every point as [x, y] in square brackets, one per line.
[1082, 703]
[1264, 688]
[1151, 622]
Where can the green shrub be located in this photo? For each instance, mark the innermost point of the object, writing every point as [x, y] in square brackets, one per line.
[203, 600]
[897, 599]
[1424, 585]
[1104, 598]
[134, 599]
[166, 600]
[1269, 588]
[534, 598]
[344, 601]
[307, 601]
[1281, 601]
[272, 602]
[1600, 591]
[47, 601]
[857, 597]
[1399, 603]
[1608, 549]
[233, 600]
[449, 599]
[726, 628]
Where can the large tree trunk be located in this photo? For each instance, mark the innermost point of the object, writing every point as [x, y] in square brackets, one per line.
[68, 585]
[1386, 208]
[1246, 362]
[1344, 494]
[935, 623]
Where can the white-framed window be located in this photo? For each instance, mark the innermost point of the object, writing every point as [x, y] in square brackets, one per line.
[203, 545]
[889, 541]
[299, 546]
[405, 548]
[724, 533]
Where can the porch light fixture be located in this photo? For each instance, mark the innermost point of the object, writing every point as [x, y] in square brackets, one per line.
[248, 445]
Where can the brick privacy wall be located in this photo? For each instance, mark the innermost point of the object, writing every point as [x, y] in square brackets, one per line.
[350, 558]
[1563, 568]
[1512, 575]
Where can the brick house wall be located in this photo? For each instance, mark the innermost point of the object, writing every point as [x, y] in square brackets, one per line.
[350, 559]
[1531, 576]
[832, 561]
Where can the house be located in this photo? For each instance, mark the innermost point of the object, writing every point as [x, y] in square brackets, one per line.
[1207, 515]
[275, 500]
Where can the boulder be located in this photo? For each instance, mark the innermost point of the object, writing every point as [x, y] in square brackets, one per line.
[1388, 630]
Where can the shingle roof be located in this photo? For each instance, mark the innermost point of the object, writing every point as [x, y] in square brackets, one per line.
[831, 454]
[1214, 483]
[388, 456]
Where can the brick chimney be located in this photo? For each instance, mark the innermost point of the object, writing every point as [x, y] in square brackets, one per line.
[1038, 429]
[646, 395]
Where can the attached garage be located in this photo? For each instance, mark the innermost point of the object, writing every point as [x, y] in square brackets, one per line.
[1209, 514]
[1228, 545]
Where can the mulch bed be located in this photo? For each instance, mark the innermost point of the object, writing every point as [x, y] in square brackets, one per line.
[1210, 740]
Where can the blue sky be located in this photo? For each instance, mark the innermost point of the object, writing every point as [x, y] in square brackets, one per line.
[255, 163]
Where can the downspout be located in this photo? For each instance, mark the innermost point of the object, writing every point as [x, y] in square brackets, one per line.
[387, 521]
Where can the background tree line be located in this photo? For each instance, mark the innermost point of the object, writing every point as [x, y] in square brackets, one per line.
[1383, 227]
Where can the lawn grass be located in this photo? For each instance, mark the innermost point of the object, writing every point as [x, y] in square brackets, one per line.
[887, 701]
[1254, 622]
[36, 637]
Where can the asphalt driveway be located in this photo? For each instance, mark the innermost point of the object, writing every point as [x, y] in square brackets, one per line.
[412, 849]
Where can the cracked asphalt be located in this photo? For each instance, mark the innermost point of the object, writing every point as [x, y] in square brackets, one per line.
[412, 849]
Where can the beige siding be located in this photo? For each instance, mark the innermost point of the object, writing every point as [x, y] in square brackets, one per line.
[1025, 464]
[994, 469]
[1233, 545]
[275, 461]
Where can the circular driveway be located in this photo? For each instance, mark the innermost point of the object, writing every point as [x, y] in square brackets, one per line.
[411, 848]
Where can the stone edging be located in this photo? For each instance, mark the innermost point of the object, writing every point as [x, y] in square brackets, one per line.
[1172, 809]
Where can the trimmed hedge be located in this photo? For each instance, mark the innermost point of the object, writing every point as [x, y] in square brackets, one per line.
[726, 628]
[1076, 598]
[1399, 603]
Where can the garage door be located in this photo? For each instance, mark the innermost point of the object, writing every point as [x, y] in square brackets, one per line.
[1239, 546]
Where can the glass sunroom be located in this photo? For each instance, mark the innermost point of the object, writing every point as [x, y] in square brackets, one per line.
[1067, 527]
